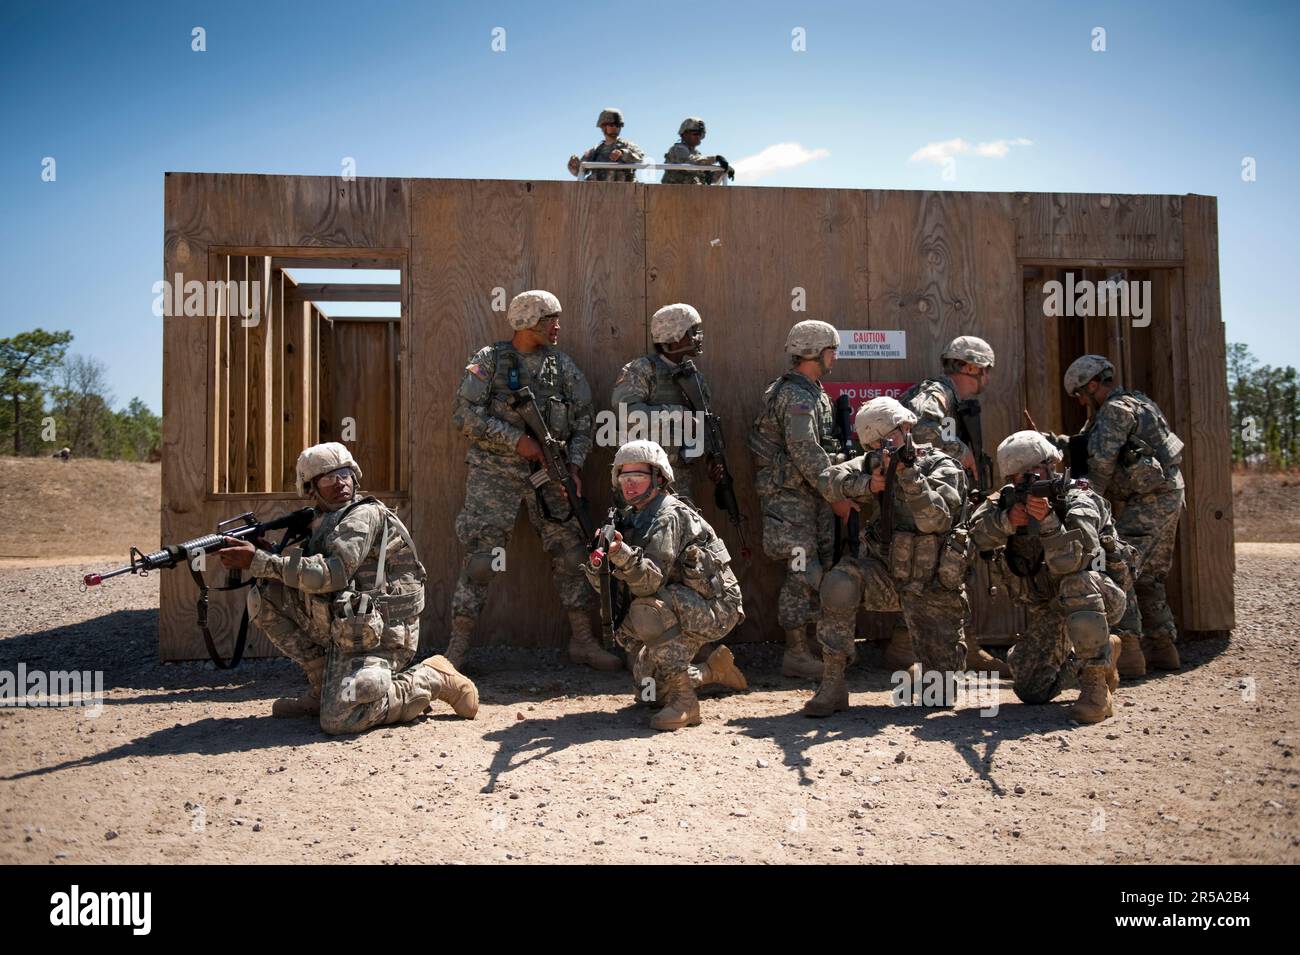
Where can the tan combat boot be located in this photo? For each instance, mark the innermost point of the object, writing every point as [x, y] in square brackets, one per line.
[979, 659]
[681, 707]
[458, 643]
[1132, 662]
[899, 654]
[456, 689]
[309, 703]
[1112, 672]
[1160, 651]
[584, 648]
[1093, 704]
[720, 668]
[832, 696]
[798, 660]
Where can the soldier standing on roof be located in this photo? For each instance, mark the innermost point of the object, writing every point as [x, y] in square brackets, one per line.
[613, 148]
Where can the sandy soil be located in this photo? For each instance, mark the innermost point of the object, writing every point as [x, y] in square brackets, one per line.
[184, 763]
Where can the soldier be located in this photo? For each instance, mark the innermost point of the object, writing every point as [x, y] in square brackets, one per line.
[347, 608]
[792, 445]
[502, 456]
[687, 151]
[1133, 461]
[649, 386]
[614, 148]
[684, 593]
[913, 554]
[948, 410]
[1055, 558]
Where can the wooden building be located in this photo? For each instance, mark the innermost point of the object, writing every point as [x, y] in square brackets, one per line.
[242, 398]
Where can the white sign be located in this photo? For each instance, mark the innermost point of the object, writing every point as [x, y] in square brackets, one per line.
[865, 343]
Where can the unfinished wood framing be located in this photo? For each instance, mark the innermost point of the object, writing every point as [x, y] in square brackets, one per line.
[933, 264]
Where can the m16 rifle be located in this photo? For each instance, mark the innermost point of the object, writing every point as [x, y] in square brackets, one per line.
[555, 466]
[296, 526]
[724, 490]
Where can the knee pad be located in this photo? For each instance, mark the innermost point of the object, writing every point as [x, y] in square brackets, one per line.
[370, 683]
[254, 602]
[1115, 600]
[840, 591]
[651, 621]
[1089, 633]
[478, 569]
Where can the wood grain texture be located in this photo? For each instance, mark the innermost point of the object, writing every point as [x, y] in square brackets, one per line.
[1105, 227]
[469, 239]
[1209, 502]
[932, 264]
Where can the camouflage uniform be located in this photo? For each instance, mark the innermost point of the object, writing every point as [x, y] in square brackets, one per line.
[684, 593]
[632, 153]
[681, 153]
[1052, 573]
[934, 400]
[792, 444]
[1133, 461]
[923, 570]
[498, 476]
[297, 599]
[647, 385]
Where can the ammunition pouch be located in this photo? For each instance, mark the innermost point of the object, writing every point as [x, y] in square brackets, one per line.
[914, 558]
[356, 625]
[954, 559]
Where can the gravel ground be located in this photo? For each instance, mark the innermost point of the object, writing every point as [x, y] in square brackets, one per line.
[184, 763]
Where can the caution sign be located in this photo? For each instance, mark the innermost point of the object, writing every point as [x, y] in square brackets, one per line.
[866, 343]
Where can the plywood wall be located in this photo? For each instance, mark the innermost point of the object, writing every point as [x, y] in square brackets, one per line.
[934, 265]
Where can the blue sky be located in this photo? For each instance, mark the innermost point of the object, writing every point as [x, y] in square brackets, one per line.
[115, 94]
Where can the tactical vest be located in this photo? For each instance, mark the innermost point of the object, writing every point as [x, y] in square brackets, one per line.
[765, 438]
[950, 403]
[1149, 459]
[665, 390]
[511, 373]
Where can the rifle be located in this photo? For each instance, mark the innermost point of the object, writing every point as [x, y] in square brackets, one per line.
[906, 455]
[556, 468]
[1073, 447]
[972, 433]
[296, 526]
[687, 377]
[613, 592]
[1055, 489]
[843, 431]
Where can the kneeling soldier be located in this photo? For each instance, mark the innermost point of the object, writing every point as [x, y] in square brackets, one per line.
[1056, 557]
[347, 609]
[684, 593]
[913, 554]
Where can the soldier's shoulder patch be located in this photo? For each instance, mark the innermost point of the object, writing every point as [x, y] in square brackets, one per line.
[800, 407]
[476, 369]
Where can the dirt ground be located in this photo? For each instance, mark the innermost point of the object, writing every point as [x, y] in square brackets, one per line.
[184, 764]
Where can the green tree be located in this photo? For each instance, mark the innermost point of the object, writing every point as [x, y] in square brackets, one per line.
[25, 358]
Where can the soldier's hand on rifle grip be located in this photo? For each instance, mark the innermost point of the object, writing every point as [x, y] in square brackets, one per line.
[615, 544]
[237, 554]
[1037, 507]
[844, 508]
[968, 461]
[528, 449]
[878, 475]
[717, 472]
[1019, 515]
[577, 478]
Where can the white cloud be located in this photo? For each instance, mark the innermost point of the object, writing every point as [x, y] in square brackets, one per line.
[941, 152]
[774, 159]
